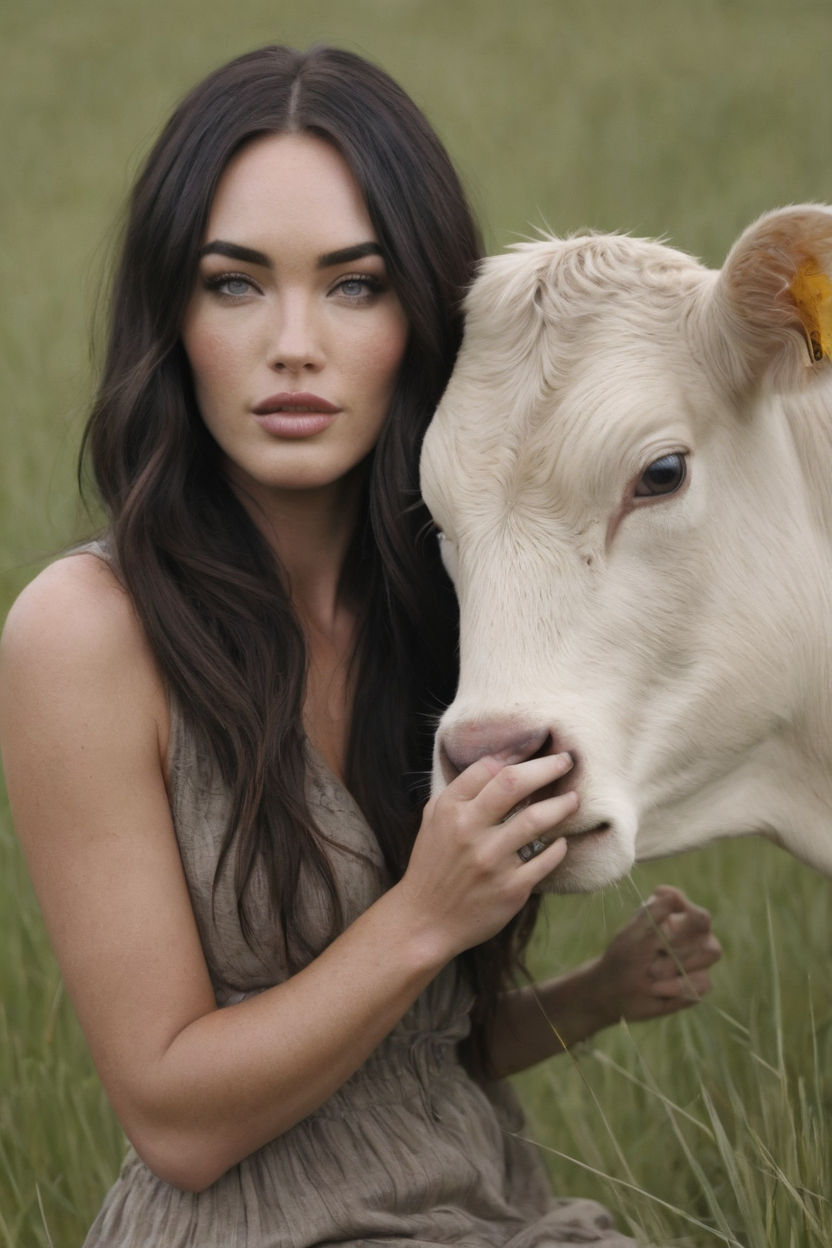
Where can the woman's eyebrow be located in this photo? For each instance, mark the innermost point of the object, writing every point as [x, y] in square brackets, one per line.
[346, 254]
[235, 252]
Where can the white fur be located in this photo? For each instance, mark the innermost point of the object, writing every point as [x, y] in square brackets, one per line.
[680, 648]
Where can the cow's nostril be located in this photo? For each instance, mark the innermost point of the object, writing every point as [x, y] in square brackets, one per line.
[505, 739]
[547, 746]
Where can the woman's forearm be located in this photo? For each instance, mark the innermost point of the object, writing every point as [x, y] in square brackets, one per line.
[237, 1077]
[541, 1020]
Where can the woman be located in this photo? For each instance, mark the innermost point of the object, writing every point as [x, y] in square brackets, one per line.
[236, 685]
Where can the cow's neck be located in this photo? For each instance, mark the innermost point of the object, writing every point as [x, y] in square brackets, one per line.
[810, 418]
[781, 790]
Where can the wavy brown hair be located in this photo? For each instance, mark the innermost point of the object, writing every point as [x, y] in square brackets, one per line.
[206, 585]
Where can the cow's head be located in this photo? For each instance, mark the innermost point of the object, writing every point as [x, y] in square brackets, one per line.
[634, 528]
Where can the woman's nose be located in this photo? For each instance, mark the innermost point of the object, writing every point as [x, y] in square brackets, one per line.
[296, 339]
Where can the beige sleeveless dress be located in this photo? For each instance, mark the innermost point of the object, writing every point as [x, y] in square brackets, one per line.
[409, 1150]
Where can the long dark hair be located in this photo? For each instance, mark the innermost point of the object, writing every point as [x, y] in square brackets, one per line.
[205, 583]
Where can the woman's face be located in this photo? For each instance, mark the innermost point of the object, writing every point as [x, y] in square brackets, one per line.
[293, 332]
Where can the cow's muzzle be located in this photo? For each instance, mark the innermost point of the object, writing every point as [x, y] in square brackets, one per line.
[505, 738]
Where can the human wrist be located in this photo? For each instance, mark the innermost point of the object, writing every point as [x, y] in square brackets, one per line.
[422, 943]
[578, 1003]
[600, 1006]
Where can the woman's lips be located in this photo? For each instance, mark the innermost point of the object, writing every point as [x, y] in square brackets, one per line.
[295, 415]
[294, 425]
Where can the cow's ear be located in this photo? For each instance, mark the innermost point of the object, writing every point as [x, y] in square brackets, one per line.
[774, 298]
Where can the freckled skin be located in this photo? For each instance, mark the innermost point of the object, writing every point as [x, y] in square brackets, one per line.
[293, 326]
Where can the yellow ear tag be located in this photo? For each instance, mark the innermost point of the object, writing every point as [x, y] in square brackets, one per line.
[812, 292]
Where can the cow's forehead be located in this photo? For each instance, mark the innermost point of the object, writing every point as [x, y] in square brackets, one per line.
[591, 273]
[577, 359]
[578, 442]
[574, 464]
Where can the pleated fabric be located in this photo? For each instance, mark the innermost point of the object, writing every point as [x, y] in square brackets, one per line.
[409, 1150]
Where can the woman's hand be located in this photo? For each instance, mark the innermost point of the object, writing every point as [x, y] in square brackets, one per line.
[466, 878]
[198, 1088]
[656, 964]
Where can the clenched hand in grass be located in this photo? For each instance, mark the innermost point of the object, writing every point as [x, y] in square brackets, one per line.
[656, 964]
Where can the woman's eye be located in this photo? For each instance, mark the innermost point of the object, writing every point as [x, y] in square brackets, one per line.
[359, 288]
[663, 476]
[234, 285]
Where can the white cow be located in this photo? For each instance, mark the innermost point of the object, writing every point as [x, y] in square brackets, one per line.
[631, 470]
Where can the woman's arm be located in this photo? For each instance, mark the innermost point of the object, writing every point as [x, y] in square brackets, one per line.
[83, 725]
[655, 965]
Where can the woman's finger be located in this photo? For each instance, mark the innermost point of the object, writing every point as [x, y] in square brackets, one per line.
[697, 957]
[544, 861]
[664, 901]
[690, 987]
[690, 924]
[688, 941]
[537, 823]
[470, 782]
[513, 785]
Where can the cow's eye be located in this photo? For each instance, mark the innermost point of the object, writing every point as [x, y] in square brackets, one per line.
[663, 476]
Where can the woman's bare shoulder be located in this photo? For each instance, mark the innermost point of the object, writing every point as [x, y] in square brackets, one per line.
[75, 605]
[80, 581]
[73, 633]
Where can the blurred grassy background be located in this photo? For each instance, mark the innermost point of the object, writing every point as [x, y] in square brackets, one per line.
[659, 117]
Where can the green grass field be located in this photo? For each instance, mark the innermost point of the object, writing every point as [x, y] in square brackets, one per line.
[657, 117]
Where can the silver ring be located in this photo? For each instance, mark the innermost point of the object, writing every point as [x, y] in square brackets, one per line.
[526, 852]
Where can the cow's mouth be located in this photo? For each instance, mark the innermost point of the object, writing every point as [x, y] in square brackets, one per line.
[579, 837]
[562, 785]
[603, 826]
